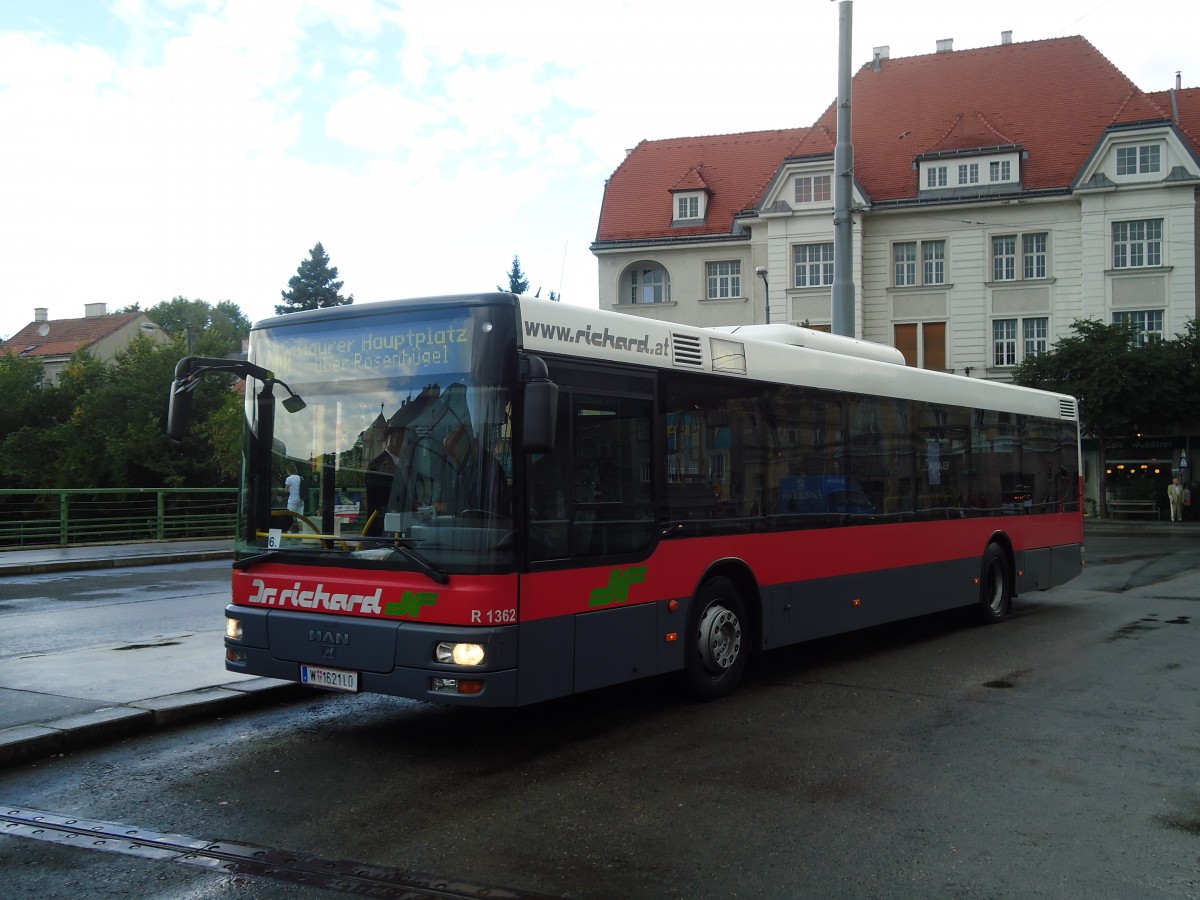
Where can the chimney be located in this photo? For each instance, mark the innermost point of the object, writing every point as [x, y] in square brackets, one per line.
[41, 314]
[95, 310]
[945, 45]
[1006, 37]
[878, 55]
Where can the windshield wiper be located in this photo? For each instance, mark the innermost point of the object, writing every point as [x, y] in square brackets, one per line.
[407, 547]
[256, 559]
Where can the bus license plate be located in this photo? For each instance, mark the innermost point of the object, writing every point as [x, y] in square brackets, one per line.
[330, 679]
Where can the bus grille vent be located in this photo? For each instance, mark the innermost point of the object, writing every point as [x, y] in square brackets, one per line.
[686, 350]
[1067, 408]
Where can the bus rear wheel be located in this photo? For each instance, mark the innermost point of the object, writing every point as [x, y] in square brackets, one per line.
[995, 585]
[717, 640]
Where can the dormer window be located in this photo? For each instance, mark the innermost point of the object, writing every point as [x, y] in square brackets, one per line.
[1141, 159]
[690, 207]
[813, 188]
[935, 177]
[999, 170]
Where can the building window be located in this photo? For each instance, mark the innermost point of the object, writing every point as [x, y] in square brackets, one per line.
[812, 188]
[1147, 323]
[933, 259]
[1138, 160]
[724, 280]
[1004, 342]
[905, 257]
[1037, 335]
[1034, 256]
[1137, 244]
[814, 265]
[968, 173]
[935, 177]
[1004, 258]
[1034, 339]
[933, 263]
[922, 343]
[687, 206]
[649, 286]
[1000, 170]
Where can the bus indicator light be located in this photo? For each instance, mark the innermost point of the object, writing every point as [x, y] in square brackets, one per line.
[456, 686]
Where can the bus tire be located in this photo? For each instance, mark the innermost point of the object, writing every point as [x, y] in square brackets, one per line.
[718, 640]
[995, 585]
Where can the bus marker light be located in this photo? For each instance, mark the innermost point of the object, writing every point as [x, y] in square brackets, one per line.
[672, 606]
[473, 686]
[1020, 572]
[672, 636]
[233, 629]
[974, 581]
[460, 654]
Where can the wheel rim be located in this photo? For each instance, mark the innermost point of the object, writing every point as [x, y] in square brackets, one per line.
[720, 639]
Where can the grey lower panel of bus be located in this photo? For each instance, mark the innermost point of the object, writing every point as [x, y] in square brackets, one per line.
[1038, 570]
[277, 642]
[570, 654]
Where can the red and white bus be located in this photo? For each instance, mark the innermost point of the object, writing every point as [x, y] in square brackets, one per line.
[503, 500]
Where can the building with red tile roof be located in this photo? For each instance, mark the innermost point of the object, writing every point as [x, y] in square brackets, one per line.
[1000, 193]
[55, 341]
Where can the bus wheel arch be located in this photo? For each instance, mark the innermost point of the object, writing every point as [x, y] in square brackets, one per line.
[997, 581]
[722, 632]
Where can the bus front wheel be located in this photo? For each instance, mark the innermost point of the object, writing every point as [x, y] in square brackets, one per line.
[995, 585]
[717, 640]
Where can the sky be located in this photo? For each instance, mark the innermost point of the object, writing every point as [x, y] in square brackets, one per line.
[200, 148]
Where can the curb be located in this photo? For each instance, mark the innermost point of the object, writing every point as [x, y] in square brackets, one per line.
[24, 742]
[111, 562]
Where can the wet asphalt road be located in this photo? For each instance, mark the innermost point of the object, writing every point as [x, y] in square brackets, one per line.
[1054, 755]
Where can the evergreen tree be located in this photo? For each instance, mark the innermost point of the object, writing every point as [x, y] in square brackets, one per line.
[314, 286]
[517, 282]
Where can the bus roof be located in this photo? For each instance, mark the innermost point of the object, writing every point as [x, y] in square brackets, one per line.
[842, 364]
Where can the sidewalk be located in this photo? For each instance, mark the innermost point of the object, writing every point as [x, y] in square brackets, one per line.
[58, 703]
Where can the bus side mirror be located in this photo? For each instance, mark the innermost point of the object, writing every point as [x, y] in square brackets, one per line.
[179, 408]
[541, 407]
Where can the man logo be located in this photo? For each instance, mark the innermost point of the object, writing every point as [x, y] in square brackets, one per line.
[328, 637]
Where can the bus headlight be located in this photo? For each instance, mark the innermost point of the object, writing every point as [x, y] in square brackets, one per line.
[460, 654]
[233, 629]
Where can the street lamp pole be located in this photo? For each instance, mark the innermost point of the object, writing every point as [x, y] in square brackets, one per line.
[761, 272]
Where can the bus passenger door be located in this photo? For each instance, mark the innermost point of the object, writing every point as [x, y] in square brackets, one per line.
[592, 496]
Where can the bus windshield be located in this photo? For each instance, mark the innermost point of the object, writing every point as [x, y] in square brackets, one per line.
[402, 449]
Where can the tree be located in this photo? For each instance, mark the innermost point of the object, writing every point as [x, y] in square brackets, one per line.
[517, 282]
[314, 286]
[210, 330]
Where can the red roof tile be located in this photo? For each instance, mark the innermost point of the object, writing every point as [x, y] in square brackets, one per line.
[1052, 98]
[62, 337]
[734, 167]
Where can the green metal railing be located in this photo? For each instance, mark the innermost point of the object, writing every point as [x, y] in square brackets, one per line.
[40, 518]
